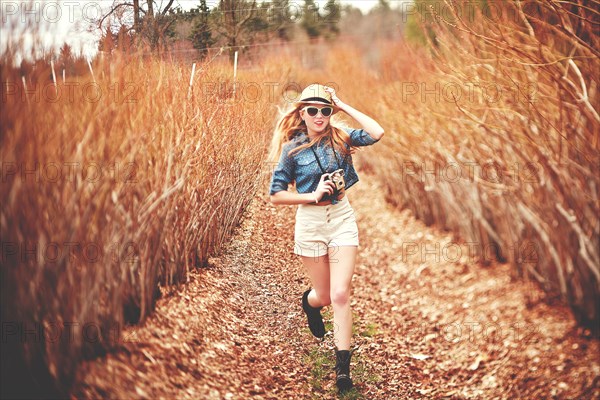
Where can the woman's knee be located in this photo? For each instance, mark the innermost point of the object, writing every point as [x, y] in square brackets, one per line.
[340, 296]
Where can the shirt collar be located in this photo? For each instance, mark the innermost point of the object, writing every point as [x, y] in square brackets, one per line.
[301, 137]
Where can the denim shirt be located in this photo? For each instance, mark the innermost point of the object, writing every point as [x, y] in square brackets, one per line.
[304, 168]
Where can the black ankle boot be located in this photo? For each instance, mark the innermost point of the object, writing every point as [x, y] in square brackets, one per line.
[342, 370]
[315, 320]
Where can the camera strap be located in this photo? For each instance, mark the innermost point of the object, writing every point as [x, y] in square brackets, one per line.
[334, 153]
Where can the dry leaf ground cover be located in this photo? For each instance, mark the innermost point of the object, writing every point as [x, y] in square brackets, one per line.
[429, 323]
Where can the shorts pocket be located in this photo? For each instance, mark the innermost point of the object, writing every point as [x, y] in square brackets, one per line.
[303, 230]
[307, 227]
[349, 216]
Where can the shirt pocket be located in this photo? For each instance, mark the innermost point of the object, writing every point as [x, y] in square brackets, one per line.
[306, 159]
[308, 170]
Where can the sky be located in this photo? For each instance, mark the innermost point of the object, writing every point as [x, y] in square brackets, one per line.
[68, 20]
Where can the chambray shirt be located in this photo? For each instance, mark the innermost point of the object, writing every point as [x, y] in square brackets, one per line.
[304, 168]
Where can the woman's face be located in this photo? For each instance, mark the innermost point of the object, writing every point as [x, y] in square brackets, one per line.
[317, 123]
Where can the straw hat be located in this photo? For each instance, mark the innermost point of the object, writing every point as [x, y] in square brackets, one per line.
[316, 94]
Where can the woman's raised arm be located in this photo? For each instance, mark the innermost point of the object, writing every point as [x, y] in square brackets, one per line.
[368, 124]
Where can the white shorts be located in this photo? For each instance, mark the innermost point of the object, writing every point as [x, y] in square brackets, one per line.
[321, 227]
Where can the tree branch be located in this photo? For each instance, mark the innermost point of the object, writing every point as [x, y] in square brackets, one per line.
[112, 11]
[167, 8]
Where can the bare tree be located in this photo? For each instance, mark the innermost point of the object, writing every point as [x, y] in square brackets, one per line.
[148, 25]
[234, 16]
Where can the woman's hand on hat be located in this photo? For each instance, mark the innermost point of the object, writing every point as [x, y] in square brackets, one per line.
[324, 187]
[334, 97]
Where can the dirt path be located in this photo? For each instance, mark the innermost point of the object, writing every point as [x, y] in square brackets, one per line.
[429, 324]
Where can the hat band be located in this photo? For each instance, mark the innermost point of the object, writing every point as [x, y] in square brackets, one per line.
[316, 99]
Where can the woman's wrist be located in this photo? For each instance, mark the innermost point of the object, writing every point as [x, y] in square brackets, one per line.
[314, 196]
[338, 103]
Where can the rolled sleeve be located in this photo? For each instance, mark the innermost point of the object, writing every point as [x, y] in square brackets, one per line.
[360, 137]
[284, 172]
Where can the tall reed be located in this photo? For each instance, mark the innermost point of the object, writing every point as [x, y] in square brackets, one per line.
[496, 135]
[112, 187]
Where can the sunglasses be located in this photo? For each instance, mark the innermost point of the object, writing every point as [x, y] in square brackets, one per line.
[313, 111]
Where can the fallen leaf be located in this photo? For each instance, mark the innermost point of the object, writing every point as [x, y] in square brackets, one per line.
[475, 363]
[420, 356]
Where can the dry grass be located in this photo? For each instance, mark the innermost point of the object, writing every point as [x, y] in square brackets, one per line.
[127, 197]
[116, 191]
[496, 137]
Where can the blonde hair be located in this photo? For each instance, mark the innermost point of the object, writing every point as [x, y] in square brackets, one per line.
[288, 126]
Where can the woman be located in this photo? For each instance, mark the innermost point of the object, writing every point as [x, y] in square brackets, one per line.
[309, 150]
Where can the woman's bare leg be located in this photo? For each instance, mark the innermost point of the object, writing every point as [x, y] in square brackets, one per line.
[341, 265]
[318, 272]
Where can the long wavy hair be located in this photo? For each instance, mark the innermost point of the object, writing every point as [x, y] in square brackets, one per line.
[291, 123]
